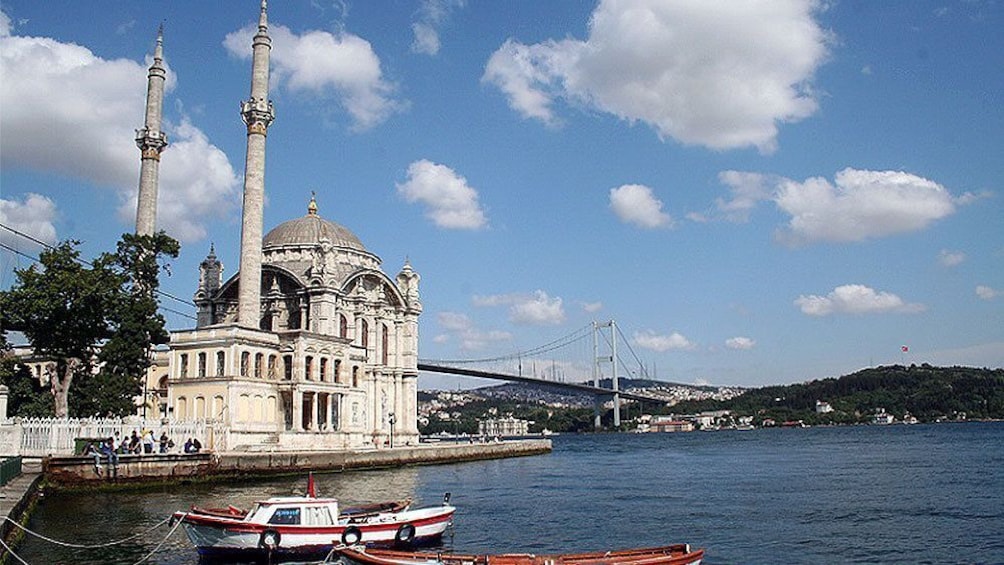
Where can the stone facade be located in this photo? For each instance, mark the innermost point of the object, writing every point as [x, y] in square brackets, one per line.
[333, 361]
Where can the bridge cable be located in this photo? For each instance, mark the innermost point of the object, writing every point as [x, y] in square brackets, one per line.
[550, 346]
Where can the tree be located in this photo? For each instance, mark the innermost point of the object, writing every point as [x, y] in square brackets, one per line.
[25, 396]
[75, 315]
[61, 309]
[135, 323]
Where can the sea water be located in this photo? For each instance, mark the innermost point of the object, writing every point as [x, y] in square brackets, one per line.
[862, 494]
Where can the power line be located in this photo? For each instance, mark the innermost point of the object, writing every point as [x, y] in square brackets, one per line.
[89, 264]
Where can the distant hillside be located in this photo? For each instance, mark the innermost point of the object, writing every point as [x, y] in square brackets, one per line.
[928, 393]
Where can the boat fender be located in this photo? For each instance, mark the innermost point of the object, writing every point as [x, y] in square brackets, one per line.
[269, 539]
[351, 536]
[405, 534]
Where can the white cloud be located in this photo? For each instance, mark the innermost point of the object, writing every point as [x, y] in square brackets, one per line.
[592, 307]
[656, 342]
[855, 299]
[63, 87]
[635, 204]
[451, 203]
[536, 308]
[860, 205]
[988, 293]
[740, 343]
[951, 258]
[857, 205]
[431, 15]
[321, 64]
[197, 185]
[426, 39]
[33, 216]
[747, 189]
[722, 74]
[469, 337]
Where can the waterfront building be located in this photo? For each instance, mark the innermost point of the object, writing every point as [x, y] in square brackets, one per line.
[668, 424]
[823, 407]
[309, 345]
[505, 426]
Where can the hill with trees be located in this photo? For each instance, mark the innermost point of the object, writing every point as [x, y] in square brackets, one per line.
[927, 393]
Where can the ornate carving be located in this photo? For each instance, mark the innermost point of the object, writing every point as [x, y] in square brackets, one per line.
[258, 115]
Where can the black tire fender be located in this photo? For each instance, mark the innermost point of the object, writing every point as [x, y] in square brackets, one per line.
[405, 534]
[351, 536]
[269, 539]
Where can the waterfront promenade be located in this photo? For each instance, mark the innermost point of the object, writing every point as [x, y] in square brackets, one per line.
[79, 472]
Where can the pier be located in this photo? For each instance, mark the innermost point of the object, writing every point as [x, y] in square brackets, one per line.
[176, 467]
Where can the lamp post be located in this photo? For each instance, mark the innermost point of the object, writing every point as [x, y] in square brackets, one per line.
[391, 420]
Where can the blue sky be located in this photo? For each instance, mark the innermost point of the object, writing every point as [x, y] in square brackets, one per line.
[757, 192]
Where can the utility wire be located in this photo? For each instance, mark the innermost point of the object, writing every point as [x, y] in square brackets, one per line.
[89, 264]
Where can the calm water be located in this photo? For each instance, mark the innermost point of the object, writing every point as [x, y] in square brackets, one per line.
[896, 494]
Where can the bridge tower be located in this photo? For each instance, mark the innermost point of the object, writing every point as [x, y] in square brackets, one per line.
[599, 360]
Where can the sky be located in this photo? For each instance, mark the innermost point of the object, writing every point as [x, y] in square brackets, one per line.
[757, 192]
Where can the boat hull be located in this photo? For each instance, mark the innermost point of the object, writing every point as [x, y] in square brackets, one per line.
[222, 536]
[679, 554]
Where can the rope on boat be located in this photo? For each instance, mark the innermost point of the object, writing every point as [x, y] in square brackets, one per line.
[84, 546]
[80, 546]
[157, 547]
[11, 552]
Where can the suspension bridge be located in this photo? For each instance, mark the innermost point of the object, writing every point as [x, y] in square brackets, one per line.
[562, 363]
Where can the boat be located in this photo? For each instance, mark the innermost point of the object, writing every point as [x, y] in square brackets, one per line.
[678, 554]
[309, 526]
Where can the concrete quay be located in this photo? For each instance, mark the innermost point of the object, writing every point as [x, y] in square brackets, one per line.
[16, 499]
[137, 469]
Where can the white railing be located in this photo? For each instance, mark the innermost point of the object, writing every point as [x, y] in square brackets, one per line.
[38, 437]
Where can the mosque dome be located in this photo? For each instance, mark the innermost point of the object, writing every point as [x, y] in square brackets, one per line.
[309, 230]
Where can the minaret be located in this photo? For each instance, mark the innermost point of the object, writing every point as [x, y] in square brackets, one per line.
[258, 114]
[151, 141]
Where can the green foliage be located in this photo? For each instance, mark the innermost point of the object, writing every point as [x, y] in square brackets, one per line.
[75, 314]
[25, 396]
[927, 393]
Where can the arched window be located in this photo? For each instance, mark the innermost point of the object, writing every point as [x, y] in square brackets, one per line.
[323, 373]
[364, 334]
[384, 344]
[202, 364]
[343, 326]
[355, 376]
[271, 368]
[259, 359]
[308, 368]
[337, 370]
[221, 362]
[245, 362]
[287, 361]
[184, 365]
[181, 408]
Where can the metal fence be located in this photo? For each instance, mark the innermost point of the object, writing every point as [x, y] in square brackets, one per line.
[38, 437]
[9, 468]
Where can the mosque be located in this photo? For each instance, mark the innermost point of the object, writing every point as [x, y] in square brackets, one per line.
[310, 345]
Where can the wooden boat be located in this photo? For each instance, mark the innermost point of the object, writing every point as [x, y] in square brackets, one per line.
[309, 527]
[679, 554]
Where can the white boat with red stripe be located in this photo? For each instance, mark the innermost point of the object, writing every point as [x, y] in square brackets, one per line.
[306, 526]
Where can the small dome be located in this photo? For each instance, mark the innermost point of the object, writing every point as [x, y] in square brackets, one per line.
[309, 230]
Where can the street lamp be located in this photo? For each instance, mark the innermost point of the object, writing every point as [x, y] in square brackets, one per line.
[391, 420]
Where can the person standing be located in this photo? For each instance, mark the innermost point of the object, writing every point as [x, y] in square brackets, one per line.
[148, 441]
